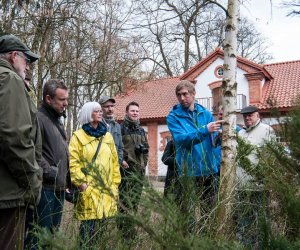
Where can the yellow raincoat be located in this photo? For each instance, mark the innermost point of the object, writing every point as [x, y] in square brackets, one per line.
[103, 177]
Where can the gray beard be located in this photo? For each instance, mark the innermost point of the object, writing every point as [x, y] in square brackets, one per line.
[109, 119]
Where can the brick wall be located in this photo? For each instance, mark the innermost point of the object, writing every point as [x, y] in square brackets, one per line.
[152, 140]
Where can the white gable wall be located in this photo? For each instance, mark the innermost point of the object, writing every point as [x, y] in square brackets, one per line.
[162, 168]
[208, 76]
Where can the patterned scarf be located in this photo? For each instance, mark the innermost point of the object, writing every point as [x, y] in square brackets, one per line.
[132, 125]
[95, 132]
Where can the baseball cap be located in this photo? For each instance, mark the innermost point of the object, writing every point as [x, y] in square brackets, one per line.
[12, 43]
[249, 110]
[105, 98]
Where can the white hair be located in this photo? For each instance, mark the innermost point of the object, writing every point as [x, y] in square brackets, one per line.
[85, 114]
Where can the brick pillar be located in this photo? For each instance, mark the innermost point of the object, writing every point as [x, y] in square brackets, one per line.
[152, 140]
[255, 87]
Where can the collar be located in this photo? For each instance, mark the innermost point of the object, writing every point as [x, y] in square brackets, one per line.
[27, 87]
[252, 127]
[109, 120]
[6, 64]
[133, 125]
[51, 111]
[181, 111]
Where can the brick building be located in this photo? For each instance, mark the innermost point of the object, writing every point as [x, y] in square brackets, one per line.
[266, 86]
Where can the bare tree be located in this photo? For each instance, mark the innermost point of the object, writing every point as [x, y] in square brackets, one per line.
[82, 42]
[251, 44]
[177, 34]
[293, 7]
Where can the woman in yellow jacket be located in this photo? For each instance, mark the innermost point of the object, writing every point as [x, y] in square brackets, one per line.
[97, 179]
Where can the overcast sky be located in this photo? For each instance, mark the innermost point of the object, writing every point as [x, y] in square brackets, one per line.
[283, 32]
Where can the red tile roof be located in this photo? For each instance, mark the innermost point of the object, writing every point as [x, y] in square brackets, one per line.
[156, 98]
[283, 89]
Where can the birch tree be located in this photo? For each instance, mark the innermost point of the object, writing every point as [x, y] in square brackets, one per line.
[229, 143]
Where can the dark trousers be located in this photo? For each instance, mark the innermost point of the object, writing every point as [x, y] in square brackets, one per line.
[196, 194]
[130, 190]
[12, 225]
[170, 182]
[47, 214]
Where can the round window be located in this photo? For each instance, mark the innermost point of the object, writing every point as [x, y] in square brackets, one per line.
[219, 71]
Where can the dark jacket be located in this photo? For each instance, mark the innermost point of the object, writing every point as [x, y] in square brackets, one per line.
[20, 142]
[132, 138]
[168, 157]
[55, 156]
[115, 129]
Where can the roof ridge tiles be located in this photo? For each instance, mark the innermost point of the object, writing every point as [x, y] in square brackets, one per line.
[285, 62]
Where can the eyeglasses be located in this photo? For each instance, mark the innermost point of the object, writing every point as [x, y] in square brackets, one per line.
[98, 111]
[27, 60]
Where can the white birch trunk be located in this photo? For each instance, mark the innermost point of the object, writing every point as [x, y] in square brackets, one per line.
[229, 143]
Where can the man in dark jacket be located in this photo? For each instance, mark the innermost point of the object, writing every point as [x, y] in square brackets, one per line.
[168, 159]
[108, 108]
[135, 158]
[55, 156]
[20, 143]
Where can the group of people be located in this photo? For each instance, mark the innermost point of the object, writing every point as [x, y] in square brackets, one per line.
[39, 166]
[105, 161]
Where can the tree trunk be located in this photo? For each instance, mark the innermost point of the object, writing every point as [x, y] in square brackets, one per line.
[228, 164]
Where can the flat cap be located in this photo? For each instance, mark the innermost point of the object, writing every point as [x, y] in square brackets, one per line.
[249, 110]
[105, 98]
[12, 43]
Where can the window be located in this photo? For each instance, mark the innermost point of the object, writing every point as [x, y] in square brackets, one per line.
[219, 71]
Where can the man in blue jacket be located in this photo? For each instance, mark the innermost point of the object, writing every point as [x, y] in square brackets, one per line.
[193, 129]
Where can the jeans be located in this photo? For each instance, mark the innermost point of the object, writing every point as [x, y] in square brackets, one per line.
[48, 215]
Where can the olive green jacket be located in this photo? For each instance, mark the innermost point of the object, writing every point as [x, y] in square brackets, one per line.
[20, 142]
[131, 138]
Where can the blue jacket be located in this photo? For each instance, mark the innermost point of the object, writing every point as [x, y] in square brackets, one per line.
[193, 142]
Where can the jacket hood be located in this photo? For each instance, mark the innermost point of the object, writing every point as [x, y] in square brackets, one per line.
[84, 138]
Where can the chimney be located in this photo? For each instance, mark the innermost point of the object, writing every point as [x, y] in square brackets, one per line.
[255, 81]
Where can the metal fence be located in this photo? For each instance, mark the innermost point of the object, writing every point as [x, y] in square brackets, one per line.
[207, 102]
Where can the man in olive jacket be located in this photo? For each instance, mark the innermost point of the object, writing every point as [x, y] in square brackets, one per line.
[135, 159]
[20, 174]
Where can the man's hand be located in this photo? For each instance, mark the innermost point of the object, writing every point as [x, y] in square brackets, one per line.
[125, 165]
[214, 126]
[83, 187]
